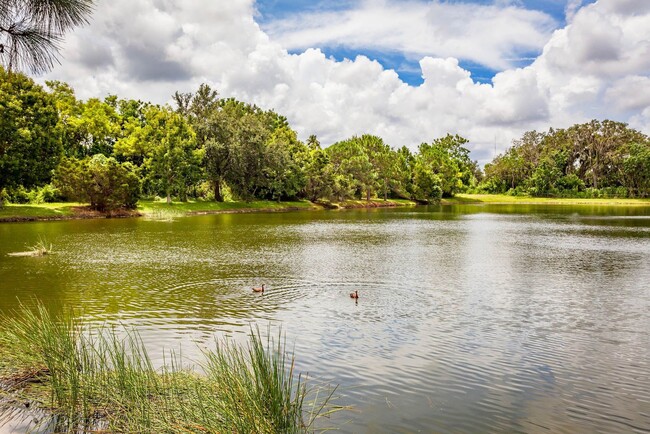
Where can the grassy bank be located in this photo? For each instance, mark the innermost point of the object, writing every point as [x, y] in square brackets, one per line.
[151, 207]
[42, 211]
[160, 209]
[56, 211]
[93, 380]
[463, 199]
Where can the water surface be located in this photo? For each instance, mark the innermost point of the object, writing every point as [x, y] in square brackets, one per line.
[514, 318]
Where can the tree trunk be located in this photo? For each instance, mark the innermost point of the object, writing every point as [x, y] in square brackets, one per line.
[217, 191]
[169, 197]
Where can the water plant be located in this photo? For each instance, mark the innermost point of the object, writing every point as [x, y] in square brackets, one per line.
[41, 248]
[103, 379]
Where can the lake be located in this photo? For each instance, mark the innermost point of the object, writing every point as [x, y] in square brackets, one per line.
[494, 318]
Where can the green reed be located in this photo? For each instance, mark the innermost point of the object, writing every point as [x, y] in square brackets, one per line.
[95, 379]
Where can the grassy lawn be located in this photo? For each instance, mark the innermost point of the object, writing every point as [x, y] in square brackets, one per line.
[37, 211]
[375, 202]
[154, 207]
[505, 199]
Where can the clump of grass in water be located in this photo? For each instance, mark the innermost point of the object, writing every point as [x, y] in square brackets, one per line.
[100, 381]
[41, 248]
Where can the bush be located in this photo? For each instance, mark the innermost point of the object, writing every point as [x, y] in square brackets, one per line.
[18, 195]
[571, 183]
[102, 181]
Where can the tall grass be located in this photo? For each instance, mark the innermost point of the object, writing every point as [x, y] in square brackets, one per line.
[97, 380]
[41, 248]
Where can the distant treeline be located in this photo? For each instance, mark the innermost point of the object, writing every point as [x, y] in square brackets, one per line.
[595, 159]
[113, 151]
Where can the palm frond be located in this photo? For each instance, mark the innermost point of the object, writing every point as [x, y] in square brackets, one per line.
[31, 30]
[59, 15]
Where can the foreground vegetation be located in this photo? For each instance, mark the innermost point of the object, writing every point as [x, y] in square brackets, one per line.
[91, 379]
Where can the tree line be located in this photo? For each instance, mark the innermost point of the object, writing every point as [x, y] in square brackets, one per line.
[111, 152]
[594, 159]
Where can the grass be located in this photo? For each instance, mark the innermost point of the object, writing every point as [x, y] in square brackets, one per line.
[41, 248]
[506, 199]
[161, 207]
[37, 211]
[374, 203]
[93, 380]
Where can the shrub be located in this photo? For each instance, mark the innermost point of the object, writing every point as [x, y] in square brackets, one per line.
[102, 181]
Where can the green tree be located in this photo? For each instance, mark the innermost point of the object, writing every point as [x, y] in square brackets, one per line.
[100, 180]
[449, 159]
[427, 186]
[86, 128]
[166, 144]
[29, 146]
[172, 158]
[31, 30]
[367, 161]
[285, 157]
[636, 169]
[319, 172]
[245, 174]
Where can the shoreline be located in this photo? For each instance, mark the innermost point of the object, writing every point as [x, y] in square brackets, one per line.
[151, 209]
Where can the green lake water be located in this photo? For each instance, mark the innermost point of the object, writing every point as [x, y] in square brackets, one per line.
[514, 318]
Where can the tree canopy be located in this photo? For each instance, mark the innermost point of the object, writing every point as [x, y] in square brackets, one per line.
[591, 159]
[29, 145]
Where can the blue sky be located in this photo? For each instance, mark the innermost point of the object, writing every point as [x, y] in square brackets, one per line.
[406, 65]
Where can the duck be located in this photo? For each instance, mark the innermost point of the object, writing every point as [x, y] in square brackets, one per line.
[260, 289]
[354, 294]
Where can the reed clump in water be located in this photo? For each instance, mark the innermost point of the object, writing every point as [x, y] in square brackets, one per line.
[93, 379]
[41, 248]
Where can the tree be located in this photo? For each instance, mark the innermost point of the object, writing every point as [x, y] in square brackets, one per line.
[172, 158]
[29, 146]
[636, 169]
[166, 144]
[319, 173]
[246, 162]
[31, 30]
[427, 185]
[100, 180]
[285, 157]
[449, 159]
[86, 128]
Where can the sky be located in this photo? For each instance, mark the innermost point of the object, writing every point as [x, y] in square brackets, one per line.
[408, 71]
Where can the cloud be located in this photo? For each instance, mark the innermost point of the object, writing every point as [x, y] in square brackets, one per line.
[598, 66]
[490, 35]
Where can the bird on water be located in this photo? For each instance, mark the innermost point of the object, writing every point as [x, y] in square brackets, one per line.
[354, 294]
[260, 289]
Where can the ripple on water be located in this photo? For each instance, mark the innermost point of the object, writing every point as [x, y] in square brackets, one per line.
[465, 323]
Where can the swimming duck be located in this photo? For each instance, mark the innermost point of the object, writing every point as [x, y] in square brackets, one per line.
[354, 294]
[261, 289]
